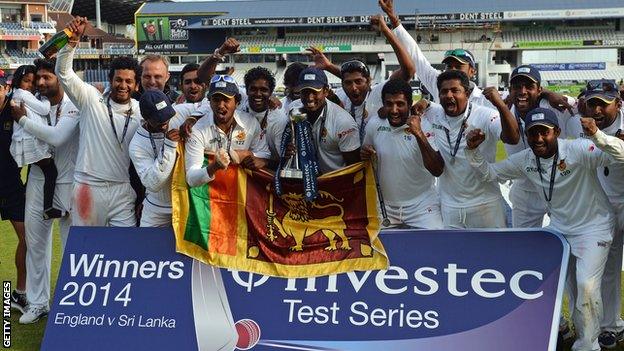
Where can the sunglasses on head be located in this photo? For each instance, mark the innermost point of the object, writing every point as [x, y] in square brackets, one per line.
[602, 85]
[458, 53]
[354, 65]
[222, 77]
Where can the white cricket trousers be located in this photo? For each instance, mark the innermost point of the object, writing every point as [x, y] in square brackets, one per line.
[423, 215]
[527, 208]
[487, 215]
[155, 215]
[588, 256]
[106, 204]
[39, 238]
[611, 280]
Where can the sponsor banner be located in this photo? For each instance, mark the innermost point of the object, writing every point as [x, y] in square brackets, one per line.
[292, 49]
[126, 288]
[162, 34]
[564, 13]
[547, 44]
[348, 20]
[570, 66]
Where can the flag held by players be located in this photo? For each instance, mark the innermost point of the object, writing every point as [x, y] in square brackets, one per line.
[237, 222]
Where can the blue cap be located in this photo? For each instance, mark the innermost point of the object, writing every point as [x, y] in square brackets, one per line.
[155, 106]
[312, 78]
[603, 89]
[224, 85]
[541, 117]
[527, 71]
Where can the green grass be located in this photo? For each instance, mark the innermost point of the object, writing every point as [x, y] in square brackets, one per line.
[24, 337]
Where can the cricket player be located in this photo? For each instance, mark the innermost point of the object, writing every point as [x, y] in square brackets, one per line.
[102, 195]
[335, 132]
[565, 172]
[361, 99]
[466, 200]
[62, 134]
[454, 59]
[153, 153]
[259, 84]
[604, 105]
[525, 93]
[409, 192]
[226, 134]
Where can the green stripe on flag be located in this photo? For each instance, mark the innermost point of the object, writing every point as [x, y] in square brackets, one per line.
[198, 220]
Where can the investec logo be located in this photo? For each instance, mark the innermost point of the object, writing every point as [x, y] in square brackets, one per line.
[423, 281]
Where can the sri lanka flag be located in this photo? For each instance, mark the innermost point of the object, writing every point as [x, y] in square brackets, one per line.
[237, 222]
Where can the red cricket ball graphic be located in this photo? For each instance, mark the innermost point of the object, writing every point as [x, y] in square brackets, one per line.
[248, 334]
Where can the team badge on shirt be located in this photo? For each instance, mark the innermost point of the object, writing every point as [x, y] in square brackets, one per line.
[240, 137]
[562, 165]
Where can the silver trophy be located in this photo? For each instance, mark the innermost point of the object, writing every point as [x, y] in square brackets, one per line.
[292, 169]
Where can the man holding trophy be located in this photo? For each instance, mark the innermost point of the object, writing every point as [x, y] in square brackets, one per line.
[230, 135]
[322, 137]
[334, 132]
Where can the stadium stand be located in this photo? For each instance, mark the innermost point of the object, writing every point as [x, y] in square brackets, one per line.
[560, 35]
[13, 28]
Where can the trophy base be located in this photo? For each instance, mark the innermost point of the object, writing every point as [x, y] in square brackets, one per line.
[291, 173]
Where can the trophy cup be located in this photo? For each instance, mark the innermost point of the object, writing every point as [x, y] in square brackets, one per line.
[292, 167]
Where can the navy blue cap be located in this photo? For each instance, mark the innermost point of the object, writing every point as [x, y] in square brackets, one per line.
[224, 85]
[541, 117]
[527, 71]
[312, 78]
[603, 89]
[155, 106]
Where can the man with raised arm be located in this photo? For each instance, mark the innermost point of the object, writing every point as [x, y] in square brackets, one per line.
[102, 195]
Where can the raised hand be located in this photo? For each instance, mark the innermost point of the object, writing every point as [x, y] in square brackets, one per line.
[589, 126]
[413, 122]
[229, 46]
[320, 60]
[387, 6]
[474, 138]
[493, 96]
[77, 26]
[378, 22]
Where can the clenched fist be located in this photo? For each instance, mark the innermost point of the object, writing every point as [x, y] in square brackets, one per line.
[222, 159]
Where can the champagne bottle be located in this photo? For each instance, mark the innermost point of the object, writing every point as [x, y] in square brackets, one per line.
[56, 43]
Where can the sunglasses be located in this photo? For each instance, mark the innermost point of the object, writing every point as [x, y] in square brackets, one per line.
[354, 65]
[223, 77]
[602, 85]
[457, 52]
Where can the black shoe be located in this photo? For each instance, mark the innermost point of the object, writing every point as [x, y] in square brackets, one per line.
[607, 339]
[53, 213]
[19, 301]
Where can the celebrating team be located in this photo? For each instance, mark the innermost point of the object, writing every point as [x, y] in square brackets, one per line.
[114, 155]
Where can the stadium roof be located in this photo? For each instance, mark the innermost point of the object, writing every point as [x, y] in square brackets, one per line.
[112, 11]
[296, 8]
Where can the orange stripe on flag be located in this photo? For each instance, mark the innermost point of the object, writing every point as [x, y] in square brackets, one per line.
[224, 205]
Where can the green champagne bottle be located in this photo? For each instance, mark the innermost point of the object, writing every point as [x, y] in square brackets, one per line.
[56, 43]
